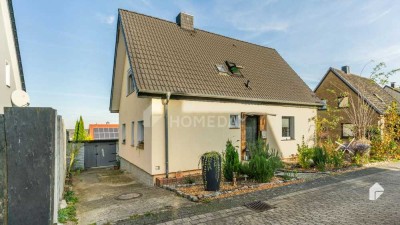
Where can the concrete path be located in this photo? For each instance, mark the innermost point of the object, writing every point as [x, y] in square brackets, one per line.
[98, 190]
[341, 199]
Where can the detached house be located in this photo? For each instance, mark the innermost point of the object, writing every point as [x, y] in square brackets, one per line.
[182, 91]
[11, 74]
[338, 86]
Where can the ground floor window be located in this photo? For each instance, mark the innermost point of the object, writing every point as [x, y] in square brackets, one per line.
[123, 133]
[287, 127]
[140, 133]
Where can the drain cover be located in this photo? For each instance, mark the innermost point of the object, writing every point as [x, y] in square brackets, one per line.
[258, 206]
[129, 196]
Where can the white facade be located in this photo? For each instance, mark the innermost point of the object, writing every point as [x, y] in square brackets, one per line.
[196, 127]
[10, 74]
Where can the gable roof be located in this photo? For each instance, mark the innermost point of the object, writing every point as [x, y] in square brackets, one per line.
[394, 92]
[14, 30]
[368, 89]
[167, 58]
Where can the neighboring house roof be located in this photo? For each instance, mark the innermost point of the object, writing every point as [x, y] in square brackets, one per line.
[14, 29]
[368, 89]
[167, 58]
[394, 92]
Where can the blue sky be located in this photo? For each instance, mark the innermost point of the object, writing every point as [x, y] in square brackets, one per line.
[67, 47]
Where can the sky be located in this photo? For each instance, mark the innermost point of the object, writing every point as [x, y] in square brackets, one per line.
[67, 47]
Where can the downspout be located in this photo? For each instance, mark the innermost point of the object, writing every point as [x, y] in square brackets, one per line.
[165, 103]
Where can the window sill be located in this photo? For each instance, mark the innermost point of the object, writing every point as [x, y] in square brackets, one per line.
[234, 127]
[291, 139]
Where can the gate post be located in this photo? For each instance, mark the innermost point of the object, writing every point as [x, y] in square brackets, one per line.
[3, 173]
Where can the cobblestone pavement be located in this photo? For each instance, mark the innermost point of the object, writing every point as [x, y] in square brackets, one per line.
[340, 199]
[98, 189]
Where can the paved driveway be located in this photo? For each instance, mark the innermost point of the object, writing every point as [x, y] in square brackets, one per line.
[341, 199]
[98, 189]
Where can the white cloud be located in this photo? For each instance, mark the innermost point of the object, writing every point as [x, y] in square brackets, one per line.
[106, 19]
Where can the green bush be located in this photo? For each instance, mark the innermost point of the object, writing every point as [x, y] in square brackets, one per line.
[264, 162]
[231, 162]
[306, 155]
[70, 197]
[67, 214]
[320, 158]
[337, 159]
[244, 169]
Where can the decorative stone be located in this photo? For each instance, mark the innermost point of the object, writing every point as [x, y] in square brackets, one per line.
[63, 204]
[200, 196]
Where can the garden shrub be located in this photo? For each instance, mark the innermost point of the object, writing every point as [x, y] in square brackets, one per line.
[245, 169]
[305, 155]
[231, 162]
[264, 162]
[320, 158]
[337, 159]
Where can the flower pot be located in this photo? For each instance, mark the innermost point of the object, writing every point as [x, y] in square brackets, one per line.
[211, 170]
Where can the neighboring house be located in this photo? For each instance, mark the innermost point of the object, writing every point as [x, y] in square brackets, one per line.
[207, 88]
[11, 73]
[393, 91]
[103, 131]
[338, 86]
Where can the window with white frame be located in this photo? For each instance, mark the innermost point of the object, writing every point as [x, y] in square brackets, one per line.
[123, 134]
[140, 127]
[343, 102]
[324, 104]
[133, 133]
[8, 74]
[287, 128]
[347, 130]
[130, 83]
[234, 121]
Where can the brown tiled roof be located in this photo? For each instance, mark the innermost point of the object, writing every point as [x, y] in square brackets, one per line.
[166, 58]
[377, 97]
[394, 92]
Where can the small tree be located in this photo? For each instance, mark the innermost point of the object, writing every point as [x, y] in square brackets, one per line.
[231, 162]
[80, 135]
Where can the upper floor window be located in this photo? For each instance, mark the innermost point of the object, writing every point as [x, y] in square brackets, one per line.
[8, 74]
[133, 133]
[130, 83]
[343, 102]
[324, 104]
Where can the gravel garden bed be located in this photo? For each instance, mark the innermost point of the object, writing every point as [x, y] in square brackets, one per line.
[195, 192]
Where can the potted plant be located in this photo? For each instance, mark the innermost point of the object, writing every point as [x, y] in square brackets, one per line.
[211, 170]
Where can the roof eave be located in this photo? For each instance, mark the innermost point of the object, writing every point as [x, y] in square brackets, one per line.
[151, 93]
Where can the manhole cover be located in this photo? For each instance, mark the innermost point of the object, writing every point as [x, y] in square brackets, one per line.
[258, 206]
[129, 196]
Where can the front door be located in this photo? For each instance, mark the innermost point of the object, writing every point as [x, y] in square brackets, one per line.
[251, 131]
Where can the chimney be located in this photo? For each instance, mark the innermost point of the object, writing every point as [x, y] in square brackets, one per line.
[393, 84]
[346, 69]
[185, 21]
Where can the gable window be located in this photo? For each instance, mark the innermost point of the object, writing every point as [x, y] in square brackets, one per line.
[324, 106]
[133, 133]
[288, 128]
[8, 74]
[343, 102]
[123, 133]
[234, 121]
[130, 83]
[140, 128]
[347, 130]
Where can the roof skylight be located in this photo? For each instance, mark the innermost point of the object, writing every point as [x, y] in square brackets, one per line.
[221, 68]
[233, 68]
